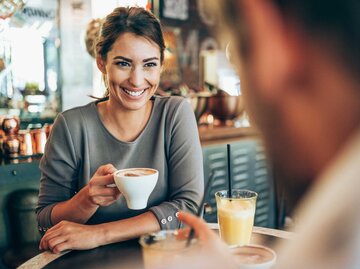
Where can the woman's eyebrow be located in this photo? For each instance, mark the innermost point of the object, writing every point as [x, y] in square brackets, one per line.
[122, 58]
[150, 59]
[130, 61]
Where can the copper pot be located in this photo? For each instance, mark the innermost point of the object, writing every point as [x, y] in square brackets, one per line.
[10, 125]
[26, 144]
[39, 140]
[11, 147]
[199, 104]
[225, 107]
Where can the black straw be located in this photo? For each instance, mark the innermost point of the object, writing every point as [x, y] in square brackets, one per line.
[206, 194]
[229, 169]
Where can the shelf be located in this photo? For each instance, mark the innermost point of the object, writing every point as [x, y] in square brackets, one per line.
[222, 134]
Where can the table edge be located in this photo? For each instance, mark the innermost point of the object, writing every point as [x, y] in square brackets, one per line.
[262, 230]
[47, 257]
[41, 260]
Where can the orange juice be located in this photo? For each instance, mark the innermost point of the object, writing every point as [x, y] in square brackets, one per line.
[236, 219]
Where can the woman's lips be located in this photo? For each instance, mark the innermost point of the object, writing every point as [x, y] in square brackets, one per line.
[133, 93]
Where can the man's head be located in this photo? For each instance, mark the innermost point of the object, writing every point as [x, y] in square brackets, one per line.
[298, 63]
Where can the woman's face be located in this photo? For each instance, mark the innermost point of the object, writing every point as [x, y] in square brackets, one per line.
[132, 70]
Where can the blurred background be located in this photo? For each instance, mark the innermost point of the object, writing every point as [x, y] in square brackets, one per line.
[47, 66]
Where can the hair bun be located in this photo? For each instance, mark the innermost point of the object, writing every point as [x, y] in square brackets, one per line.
[92, 33]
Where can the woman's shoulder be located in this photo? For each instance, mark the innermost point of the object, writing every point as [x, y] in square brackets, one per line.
[171, 102]
[78, 111]
[77, 115]
[173, 108]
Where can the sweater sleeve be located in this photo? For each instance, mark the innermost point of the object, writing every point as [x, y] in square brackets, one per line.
[58, 168]
[185, 168]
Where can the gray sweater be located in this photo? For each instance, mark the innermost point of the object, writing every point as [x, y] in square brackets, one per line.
[79, 143]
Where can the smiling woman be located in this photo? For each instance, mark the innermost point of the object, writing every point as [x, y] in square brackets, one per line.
[128, 128]
[131, 71]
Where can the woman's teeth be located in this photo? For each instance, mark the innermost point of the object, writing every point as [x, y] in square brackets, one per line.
[138, 93]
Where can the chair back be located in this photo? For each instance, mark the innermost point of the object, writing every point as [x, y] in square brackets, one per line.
[249, 170]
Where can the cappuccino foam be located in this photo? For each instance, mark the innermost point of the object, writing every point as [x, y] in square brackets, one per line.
[253, 255]
[136, 172]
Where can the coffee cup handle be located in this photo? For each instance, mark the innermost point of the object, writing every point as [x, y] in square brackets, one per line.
[113, 185]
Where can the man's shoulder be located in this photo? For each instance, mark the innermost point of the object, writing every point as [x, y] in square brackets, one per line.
[328, 222]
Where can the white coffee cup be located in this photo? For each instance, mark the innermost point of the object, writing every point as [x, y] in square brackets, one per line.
[136, 184]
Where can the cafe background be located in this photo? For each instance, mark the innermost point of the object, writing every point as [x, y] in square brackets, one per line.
[47, 66]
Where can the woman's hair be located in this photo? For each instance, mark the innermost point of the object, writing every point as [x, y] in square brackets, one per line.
[135, 20]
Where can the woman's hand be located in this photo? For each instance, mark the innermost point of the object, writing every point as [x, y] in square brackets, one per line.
[70, 236]
[100, 189]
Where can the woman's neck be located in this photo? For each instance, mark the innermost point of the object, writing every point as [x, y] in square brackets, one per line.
[125, 125]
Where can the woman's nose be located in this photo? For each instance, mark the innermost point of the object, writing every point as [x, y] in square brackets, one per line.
[136, 77]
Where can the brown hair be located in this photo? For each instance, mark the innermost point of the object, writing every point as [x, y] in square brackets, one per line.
[134, 20]
[335, 22]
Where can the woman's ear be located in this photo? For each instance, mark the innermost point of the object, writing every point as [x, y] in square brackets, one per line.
[100, 64]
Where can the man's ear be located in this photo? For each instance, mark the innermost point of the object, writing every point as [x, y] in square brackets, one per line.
[275, 51]
[100, 64]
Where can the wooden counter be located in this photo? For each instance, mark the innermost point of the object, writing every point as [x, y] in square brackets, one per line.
[223, 134]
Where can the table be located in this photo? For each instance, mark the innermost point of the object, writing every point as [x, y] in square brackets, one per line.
[128, 254]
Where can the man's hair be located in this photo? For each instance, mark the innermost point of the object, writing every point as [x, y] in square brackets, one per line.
[334, 21]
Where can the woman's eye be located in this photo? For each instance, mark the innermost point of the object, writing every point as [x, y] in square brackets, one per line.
[123, 64]
[151, 64]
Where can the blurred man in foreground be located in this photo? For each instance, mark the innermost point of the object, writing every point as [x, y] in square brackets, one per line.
[299, 65]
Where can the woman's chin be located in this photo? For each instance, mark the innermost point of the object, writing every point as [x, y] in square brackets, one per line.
[135, 103]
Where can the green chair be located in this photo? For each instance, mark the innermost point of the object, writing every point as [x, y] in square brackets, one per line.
[249, 170]
[25, 236]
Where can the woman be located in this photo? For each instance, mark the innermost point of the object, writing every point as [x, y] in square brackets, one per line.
[128, 128]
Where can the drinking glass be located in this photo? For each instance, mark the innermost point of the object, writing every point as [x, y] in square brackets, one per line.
[236, 215]
[165, 249]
